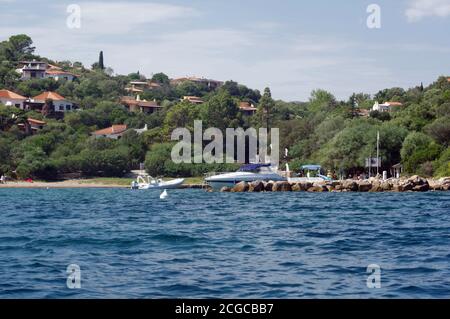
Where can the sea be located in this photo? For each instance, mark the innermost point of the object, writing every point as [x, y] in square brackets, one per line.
[120, 243]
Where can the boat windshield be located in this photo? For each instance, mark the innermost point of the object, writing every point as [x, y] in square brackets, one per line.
[253, 167]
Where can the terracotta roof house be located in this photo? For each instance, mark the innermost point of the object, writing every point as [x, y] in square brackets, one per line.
[60, 103]
[40, 70]
[247, 109]
[386, 106]
[140, 86]
[138, 105]
[59, 74]
[32, 69]
[35, 125]
[10, 98]
[448, 79]
[114, 132]
[193, 99]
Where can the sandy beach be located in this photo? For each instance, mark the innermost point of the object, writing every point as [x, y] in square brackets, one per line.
[62, 184]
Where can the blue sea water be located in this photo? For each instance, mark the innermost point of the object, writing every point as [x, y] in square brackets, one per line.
[131, 244]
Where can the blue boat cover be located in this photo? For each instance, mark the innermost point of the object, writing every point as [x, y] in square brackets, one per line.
[252, 167]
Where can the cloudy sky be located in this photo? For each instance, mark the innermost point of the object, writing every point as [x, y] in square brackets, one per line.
[291, 46]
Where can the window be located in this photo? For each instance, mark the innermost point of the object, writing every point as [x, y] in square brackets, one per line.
[68, 107]
[17, 105]
[61, 107]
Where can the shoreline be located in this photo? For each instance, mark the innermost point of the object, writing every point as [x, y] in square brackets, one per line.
[82, 183]
[63, 184]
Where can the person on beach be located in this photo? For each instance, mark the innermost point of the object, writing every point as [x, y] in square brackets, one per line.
[2, 180]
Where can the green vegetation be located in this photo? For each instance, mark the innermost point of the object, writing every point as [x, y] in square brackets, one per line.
[322, 130]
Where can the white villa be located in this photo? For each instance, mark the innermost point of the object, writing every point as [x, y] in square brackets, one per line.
[60, 103]
[10, 98]
[41, 70]
[386, 106]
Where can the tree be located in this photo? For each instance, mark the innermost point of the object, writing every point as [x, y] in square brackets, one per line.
[18, 47]
[221, 111]
[101, 65]
[417, 149]
[266, 108]
[440, 130]
[49, 108]
[161, 78]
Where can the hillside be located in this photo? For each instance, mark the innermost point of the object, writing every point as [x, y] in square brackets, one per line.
[414, 125]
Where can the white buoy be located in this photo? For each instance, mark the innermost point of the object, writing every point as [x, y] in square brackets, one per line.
[163, 195]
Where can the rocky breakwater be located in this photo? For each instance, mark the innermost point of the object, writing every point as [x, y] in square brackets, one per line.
[411, 184]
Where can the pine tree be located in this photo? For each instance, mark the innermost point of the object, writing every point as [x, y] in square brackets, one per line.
[100, 61]
[266, 106]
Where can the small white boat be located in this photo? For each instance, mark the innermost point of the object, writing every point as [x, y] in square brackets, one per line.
[148, 182]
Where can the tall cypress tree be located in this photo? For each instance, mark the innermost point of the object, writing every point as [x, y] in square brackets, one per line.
[100, 61]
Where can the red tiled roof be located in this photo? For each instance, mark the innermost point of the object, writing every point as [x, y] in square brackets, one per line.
[448, 79]
[193, 99]
[130, 101]
[11, 95]
[154, 85]
[59, 72]
[246, 106]
[49, 95]
[393, 103]
[115, 129]
[34, 121]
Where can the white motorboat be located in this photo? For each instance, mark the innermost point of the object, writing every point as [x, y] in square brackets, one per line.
[148, 182]
[247, 173]
[313, 175]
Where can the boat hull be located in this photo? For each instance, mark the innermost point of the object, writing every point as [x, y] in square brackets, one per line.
[231, 179]
[173, 184]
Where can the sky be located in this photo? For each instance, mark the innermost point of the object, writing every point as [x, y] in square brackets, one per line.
[291, 46]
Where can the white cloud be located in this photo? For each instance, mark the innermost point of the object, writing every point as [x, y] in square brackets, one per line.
[419, 9]
[123, 17]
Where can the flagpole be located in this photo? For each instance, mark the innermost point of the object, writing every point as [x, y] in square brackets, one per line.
[378, 152]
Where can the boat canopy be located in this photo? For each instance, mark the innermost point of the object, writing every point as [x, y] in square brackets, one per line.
[312, 167]
[252, 167]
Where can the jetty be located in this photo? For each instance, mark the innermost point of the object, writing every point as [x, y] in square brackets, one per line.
[411, 184]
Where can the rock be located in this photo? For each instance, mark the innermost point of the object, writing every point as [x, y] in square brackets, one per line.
[376, 186]
[338, 188]
[297, 187]
[364, 186]
[241, 187]
[281, 187]
[434, 185]
[386, 186]
[408, 186]
[225, 189]
[318, 189]
[268, 186]
[350, 185]
[397, 188]
[330, 188]
[421, 188]
[417, 180]
[256, 187]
